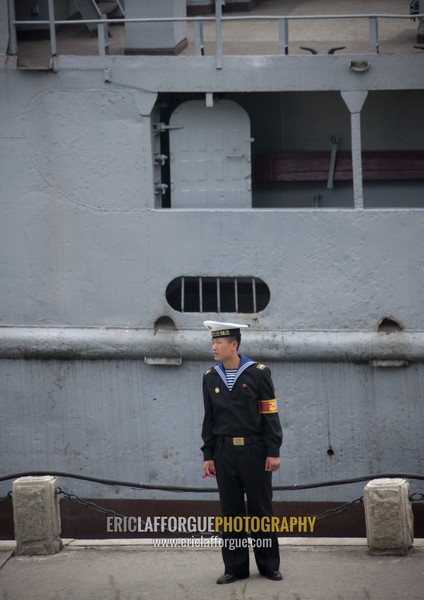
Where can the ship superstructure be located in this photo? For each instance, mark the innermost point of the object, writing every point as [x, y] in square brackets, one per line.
[158, 170]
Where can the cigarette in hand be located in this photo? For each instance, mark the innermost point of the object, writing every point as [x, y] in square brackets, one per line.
[211, 471]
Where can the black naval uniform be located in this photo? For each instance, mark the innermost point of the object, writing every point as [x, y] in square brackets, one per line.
[248, 411]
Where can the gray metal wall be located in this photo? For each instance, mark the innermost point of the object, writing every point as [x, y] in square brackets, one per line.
[129, 421]
[82, 245]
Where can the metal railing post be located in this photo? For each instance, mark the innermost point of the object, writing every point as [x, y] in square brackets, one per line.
[52, 27]
[102, 36]
[199, 47]
[375, 44]
[13, 43]
[283, 26]
[218, 34]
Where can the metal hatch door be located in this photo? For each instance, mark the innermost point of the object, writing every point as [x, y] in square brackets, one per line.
[210, 156]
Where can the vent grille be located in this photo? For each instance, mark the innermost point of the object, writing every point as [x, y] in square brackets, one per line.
[218, 294]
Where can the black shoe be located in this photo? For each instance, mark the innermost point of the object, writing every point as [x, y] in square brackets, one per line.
[273, 575]
[229, 578]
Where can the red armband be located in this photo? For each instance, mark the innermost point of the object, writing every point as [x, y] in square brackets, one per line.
[267, 406]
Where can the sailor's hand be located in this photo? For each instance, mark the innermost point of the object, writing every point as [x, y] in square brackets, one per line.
[272, 463]
[209, 468]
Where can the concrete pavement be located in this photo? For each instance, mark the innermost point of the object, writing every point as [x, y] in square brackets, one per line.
[318, 569]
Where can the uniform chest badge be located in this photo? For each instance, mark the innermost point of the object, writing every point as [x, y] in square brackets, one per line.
[244, 385]
[217, 390]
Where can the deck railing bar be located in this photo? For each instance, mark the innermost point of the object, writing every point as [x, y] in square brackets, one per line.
[218, 19]
[122, 21]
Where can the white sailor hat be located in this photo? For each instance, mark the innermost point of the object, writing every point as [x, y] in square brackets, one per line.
[223, 329]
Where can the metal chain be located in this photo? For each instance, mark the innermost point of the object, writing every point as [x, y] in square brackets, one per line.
[416, 497]
[106, 511]
[339, 509]
[92, 506]
[8, 495]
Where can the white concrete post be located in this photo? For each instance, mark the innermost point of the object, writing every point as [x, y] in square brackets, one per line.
[388, 516]
[36, 515]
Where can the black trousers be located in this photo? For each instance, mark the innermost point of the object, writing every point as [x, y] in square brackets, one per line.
[240, 470]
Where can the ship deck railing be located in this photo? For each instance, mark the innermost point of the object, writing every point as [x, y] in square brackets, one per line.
[222, 35]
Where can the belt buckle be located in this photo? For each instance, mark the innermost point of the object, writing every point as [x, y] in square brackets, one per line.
[238, 441]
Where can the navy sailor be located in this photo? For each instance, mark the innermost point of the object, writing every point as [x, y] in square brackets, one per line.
[242, 436]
